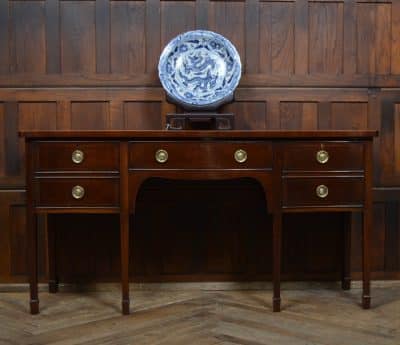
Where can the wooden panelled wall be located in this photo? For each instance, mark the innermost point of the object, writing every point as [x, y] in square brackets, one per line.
[316, 64]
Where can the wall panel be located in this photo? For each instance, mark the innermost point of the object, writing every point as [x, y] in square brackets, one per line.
[128, 37]
[277, 37]
[78, 50]
[176, 17]
[228, 19]
[374, 38]
[89, 115]
[326, 37]
[307, 64]
[27, 46]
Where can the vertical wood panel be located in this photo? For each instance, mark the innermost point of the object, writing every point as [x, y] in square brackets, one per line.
[396, 131]
[383, 38]
[326, 38]
[395, 37]
[2, 141]
[202, 14]
[324, 115]
[228, 19]
[53, 43]
[9, 200]
[310, 116]
[387, 138]
[392, 240]
[3, 36]
[301, 37]
[103, 36]
[116, 114]
[290, 115]
[128, 37]
[373, 38]
[349, 116]
[298, 115]
[89, 115]
[248, 115]
[282, 42]
[142, 115]
[176, 17]
[11, 146]
[28, 18]
[153, 35]
[252, 36]
[64, 115]
[378, 238]
[265, 38]
[37, 116]
[350, 38]
[273, 114]
[78, 41]
[18, 239]
[5, 256]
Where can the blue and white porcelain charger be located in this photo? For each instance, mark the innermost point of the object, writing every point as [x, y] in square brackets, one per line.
[200, 70]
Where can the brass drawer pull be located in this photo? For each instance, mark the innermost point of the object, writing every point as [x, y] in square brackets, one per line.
[240, 156]
[78, 156]
[161, 156]
[78, 192]
[322, 156]
[322, 191]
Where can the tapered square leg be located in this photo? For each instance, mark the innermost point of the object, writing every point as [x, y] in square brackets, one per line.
[367, 225]
[124, 226]
[125, 307]
[276, 304]
[34, 306]
[346, 257]
[33, 270]
[125, 263]
[366, 301]
[51, 245]
[276, 274]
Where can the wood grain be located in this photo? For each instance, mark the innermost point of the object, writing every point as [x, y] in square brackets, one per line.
[306, 65]
[78, 48]
[203, 316]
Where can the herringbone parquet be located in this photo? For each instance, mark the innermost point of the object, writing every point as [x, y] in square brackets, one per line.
[311, 316]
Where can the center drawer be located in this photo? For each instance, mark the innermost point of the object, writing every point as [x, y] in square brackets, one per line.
[77, 192]
[200, 155]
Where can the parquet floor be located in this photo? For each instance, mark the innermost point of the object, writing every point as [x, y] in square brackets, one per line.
[316, 315]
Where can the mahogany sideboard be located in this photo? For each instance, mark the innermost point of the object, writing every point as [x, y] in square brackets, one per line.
[102, 171]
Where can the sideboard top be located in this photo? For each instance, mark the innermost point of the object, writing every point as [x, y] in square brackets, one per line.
[199, 134]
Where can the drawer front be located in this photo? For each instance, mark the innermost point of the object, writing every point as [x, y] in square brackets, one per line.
[323, 156]
[323, 191]
[76, 156]
[77, 192]
[200, 155]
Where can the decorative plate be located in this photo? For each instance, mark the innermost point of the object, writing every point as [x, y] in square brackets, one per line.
[200, 70]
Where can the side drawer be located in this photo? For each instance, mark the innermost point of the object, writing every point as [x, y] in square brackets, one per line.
[322, 191]
[76, 192]
[323, 156]
[53, 156]
[201, 155]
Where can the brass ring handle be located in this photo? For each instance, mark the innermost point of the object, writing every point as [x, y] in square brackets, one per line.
[78, 192]
[161, 156]
[78, 156]
[322, 156]
[322, 191]
[240, 156]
